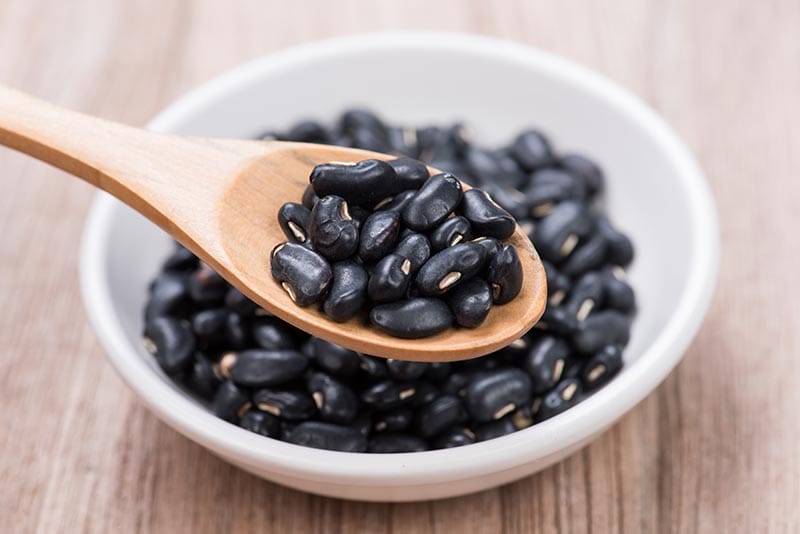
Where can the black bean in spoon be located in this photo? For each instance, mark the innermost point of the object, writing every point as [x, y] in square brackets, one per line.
[304, 274]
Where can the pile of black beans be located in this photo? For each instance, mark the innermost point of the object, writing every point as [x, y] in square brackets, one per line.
[262, 374]
[416, 250]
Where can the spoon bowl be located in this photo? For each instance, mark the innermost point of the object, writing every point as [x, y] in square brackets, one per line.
[220, 198]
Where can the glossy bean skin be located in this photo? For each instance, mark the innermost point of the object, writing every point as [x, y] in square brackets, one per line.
[309, 197]
[619, 295]
[607, 327]
[230, 402]
[600, 368]
[405, 371]
[169, 296]
[497, 394]
[545, 363]
[261, 423]
[388, 394]
[348, 291]
[413, 318]
[206, 288]
[263, 368]
[329, 436]
[209, 325]
[505, 275]
[364, 184]
[485, 216]
[585, 170]
[439, 415]
[335, 401]
[201, 378]
[455, 437]
[566, 394]
[512, 200]
[398, 202]
[494, 429]
[333, 359]
[493, 166]
[558, 284]
[303, 273]
[620, 248]
[438, 197]
[450, 267]
[171, 342]
[389, 279]
[470, 302]
[379, 235]
[411, 173]
[332, 230]
[590, 255]
[289, 405]
[532, 150]
[549, 187]
[294, 219]
[416, 248]
[398, 420]
[239, 303]
[586, 295]
[452, 231]
[558, 233]
[308, 132]
[394, 443]
[558, 320]
[273, 334]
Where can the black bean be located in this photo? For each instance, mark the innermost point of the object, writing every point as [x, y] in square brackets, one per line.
[273, 334]
[494, 429]
[396, 420]
[413, 318]
[290, 405]
[512, 200]
[379, 235]
[452, 231]
[201, 378]
[438, 371]
[439, 415]
[619, 295]
[238, 302]
[491, 245]
[237, 331]
[455, 437]
[607, 327]
[532, 150]
[209, 325]
[332, 230]
[361, 119]
[450, 267]
[602, 367]
[398, 202]
[439, 196]
[545, 363]
[620, 248]
[558, 284]
[404, 370]
[364, 184]
[470, 302]
[424, 392]
[585, 296]
[394, 443]
[557, 320]
[505, 275]
[411, 173]
[416, 248]
[548, 187]
[389, 279]
[348, 293]
[403, 141]
[516, 350]
[304, 274]
[485, 216]
[334, 359]
[168, 296]
[294, 219]
[326, 436]
[388, 394]
[497, 393]
[522, 418]
[309, 197]
[589, 255]
[230, 402]
[261, 423]
[458, 381]
[584, 169]
[373, 367]
[260, 368]
[206, 287]
[171, 343]
[180, 260]
[566, 394]
[493, 167]
[335, 401]
[362, 424]
[557, 234]
[308, 132]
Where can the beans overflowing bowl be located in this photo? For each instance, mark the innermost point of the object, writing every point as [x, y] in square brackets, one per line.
[525, 397]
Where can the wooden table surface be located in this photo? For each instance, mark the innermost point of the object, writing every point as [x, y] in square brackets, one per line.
[715, 449]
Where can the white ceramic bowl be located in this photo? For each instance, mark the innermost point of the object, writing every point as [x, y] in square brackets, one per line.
[656, 193]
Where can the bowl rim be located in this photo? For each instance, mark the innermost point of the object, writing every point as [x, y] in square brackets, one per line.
[537, 442]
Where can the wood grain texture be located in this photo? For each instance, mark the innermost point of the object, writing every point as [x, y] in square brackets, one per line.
[714, 449]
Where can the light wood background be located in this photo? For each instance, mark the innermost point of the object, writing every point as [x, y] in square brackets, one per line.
[715, 449]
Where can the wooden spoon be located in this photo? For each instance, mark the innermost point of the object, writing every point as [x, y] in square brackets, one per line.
[220, 198]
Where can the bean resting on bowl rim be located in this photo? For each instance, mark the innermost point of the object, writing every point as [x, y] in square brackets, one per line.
[261, 373]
